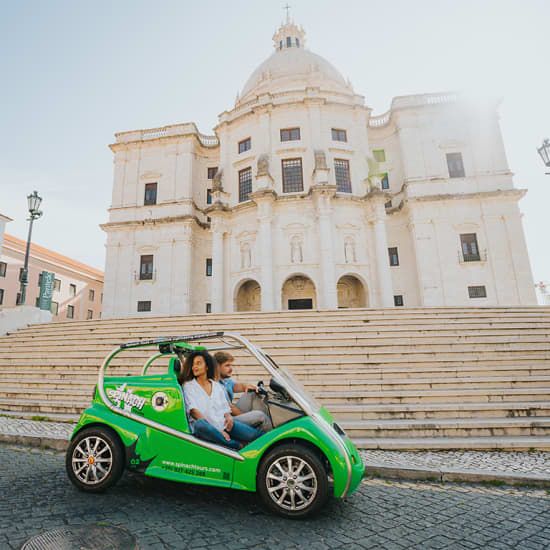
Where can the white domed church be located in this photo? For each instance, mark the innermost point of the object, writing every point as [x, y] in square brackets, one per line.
[303, 199]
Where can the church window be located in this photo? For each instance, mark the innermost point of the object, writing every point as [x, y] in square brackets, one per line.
[293, 181]
[290, 134]
[72, 290]
[245, 145]
[208, 307]
[144, 305]
[288, 41]
[3, 267]
[394, 256]
[339, 135]
[209, 196]
[245, 184]
[477, 292]
[90, 314]
[385, 182]
[91, 295]
[150, 194]
[54, 308]
[146, 267]
[70, 312]
[209, 267]
[1, 296]
[455, 165]
[379, 155]
[398, 300]
[341, 171]
[470, 249]
[212, 172]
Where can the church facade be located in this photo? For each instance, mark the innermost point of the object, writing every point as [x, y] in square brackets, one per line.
[304, 199]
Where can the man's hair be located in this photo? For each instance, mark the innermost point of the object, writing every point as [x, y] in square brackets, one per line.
[187, 371]
[223, 357]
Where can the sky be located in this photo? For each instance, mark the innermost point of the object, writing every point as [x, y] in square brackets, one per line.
[74, 73]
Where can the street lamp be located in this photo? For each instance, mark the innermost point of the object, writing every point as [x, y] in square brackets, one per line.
[34, 201]
[544, 152]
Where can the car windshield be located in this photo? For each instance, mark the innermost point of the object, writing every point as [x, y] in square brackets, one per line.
[291, 382]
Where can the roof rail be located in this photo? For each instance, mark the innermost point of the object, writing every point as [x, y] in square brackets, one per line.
[171, 339]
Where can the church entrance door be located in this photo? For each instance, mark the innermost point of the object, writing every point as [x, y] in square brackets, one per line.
[299, 293]
[351, 292]
[249, 297]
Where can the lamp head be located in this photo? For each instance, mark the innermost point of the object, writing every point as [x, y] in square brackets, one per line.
[544, 152]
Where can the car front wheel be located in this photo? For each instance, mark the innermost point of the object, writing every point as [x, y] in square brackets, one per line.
[292, 481]
[94, 459]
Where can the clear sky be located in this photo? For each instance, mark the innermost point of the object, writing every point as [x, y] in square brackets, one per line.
[73, 73]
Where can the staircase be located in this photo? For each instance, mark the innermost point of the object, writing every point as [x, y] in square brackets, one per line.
[425, 378]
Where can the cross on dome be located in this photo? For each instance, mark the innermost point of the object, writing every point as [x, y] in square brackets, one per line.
[289, 35]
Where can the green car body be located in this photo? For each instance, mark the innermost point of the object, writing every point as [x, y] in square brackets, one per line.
[147, 414]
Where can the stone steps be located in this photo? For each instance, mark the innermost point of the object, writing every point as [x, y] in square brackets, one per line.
[366, 386]
[394, 377]
[447, 427]
[326, 375]
[424, 411]
[497, 443]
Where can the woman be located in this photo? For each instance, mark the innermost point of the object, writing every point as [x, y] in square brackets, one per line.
[207, 406]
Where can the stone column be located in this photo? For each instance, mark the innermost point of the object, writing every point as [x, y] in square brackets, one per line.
[217, 290]
[385, 286]
[328, 296]
[264, 200]
[181, 276]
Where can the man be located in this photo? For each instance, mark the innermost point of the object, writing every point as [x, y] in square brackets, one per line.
[250, 408]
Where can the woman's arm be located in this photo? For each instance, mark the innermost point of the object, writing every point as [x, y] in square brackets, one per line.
[196, 414]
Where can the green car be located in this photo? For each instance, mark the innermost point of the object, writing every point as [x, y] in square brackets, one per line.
[140, 423]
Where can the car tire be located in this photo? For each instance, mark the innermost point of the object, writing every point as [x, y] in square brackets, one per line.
[292, 481]
[95, 459]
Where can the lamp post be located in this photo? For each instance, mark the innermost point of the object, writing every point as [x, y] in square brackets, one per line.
[34, 201]
[544, 152]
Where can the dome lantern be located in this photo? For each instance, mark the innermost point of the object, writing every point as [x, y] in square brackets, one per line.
[289, 35]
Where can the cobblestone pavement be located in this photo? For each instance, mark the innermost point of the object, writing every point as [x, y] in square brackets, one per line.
[513, 462]
[37, 496]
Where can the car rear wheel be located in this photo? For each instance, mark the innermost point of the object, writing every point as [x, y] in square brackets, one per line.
[292, 481]
[94, 459]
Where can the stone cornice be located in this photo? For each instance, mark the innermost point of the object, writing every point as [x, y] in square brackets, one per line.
[151, 222]
[506, 194]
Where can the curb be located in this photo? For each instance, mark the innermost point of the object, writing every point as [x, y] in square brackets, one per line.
[34, 441]
[447, 475]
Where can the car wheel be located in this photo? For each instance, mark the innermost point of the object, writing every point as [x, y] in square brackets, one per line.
[94, 459]
[292, 481]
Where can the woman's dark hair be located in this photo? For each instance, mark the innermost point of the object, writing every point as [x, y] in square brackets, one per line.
[187, 371]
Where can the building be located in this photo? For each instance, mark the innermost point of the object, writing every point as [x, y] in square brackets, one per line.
[3, 221]
[78, 287]
[304, 199]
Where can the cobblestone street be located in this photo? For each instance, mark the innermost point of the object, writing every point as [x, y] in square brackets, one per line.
[37, 496]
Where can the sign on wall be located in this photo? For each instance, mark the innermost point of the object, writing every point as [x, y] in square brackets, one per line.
[46, 290]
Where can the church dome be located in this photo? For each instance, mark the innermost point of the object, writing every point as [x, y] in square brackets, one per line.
[292, 67]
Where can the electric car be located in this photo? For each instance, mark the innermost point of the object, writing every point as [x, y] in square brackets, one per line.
[139, 422]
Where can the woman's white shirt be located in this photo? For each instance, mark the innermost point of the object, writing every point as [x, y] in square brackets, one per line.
[213, 407]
